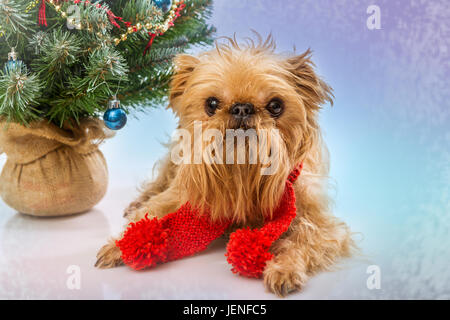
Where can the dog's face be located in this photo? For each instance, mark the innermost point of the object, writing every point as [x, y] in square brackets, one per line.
[247, 87]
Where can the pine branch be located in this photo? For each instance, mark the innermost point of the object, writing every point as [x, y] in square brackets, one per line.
[73, 73]
[13, 17]
[19, 91]
[60, 51]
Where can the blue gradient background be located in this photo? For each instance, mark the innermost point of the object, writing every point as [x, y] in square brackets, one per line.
[388, 132]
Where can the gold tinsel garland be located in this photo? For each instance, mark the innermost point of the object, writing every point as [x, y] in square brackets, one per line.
[147, 26]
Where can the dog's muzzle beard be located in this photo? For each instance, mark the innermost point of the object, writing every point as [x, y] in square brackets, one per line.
[234, 191]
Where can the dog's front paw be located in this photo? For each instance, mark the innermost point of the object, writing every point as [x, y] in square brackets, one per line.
[135, 211]
[132, 208]
[109, 256]
[283, 279]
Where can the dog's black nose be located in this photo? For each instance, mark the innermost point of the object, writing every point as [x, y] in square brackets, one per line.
[242, 110]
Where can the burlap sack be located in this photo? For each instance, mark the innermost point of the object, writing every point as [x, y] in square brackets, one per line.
[52, 171]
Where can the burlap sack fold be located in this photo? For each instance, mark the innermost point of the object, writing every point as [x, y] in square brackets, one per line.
[52, 171]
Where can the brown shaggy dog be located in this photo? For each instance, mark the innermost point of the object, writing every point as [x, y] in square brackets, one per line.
[250, 86]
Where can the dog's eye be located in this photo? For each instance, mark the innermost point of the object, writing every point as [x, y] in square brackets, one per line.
[212, 104]
[275, 107]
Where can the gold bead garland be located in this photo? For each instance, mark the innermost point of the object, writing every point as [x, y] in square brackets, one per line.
[31, 5]
[157, 28]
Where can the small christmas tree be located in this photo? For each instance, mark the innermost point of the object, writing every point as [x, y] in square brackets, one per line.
[64, 64]
[65, 59]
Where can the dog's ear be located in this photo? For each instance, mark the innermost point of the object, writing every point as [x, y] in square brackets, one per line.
[184, 66]
[313, 90]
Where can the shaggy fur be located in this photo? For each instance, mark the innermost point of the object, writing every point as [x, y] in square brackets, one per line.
[253, 73]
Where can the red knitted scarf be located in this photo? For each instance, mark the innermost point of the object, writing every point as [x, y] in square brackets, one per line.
[185, 232]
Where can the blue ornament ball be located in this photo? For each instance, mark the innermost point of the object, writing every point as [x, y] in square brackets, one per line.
[115, 118]
[11, 65]
[164, 5]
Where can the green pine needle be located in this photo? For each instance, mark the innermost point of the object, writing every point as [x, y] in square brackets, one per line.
[19, 91]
